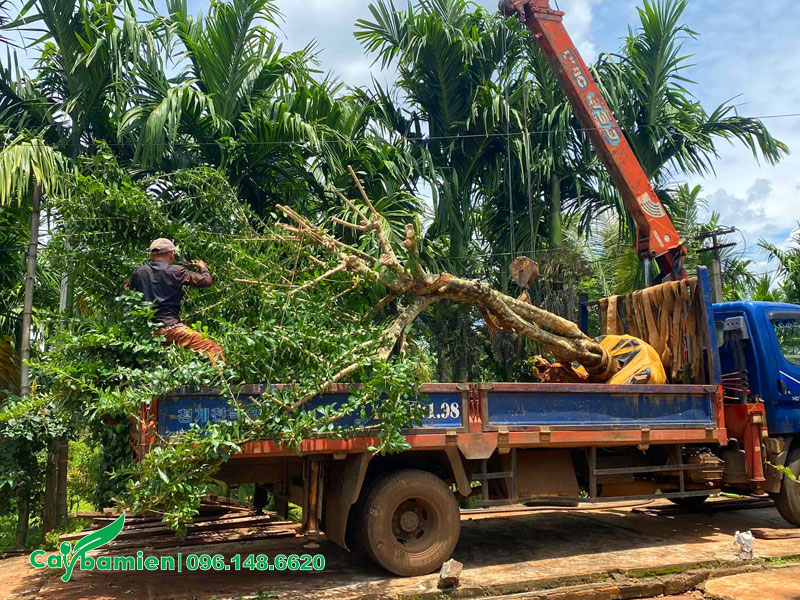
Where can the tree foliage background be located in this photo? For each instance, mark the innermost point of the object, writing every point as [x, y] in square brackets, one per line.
[138, 124]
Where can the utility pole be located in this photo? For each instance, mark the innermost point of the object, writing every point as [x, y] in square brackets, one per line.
[715, 273]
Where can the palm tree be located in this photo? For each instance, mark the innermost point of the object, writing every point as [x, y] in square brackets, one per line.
[788, 266]
[448, 56]
[454, 62]
[765, 288]
[29, 168]
[84, 49]
[238, 102]
[568, 172]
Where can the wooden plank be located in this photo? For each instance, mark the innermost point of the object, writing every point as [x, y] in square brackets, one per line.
[775, 534]
[154, 529]
[286, 529]
[225, 501]
[139, 522]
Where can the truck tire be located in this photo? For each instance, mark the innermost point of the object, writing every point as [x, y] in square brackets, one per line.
[788, 499]
[409, 522]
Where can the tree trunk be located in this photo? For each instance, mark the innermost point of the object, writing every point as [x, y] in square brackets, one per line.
[62, 459]
[556, 235]
[456, 250]
[50, 491]
[23, 512]
[461, 371]
[509, 365]
[30, 279]
[66, 302]
[75, 136]
[565, 341]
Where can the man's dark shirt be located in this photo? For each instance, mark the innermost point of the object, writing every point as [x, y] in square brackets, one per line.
[162, 284]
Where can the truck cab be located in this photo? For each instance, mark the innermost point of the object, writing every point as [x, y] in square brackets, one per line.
[761, 340]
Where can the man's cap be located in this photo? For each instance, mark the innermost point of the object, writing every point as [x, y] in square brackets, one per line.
[162, 245]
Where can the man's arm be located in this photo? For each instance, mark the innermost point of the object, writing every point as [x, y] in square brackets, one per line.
[129, 282]
[202, 279]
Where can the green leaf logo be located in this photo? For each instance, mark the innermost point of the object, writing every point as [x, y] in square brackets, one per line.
[87, 543]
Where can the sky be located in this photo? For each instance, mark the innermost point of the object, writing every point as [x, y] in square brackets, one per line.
[743, 54]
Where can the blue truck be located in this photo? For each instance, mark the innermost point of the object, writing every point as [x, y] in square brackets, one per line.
[544, 443]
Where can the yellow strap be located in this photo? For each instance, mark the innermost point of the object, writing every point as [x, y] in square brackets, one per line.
[612, 317]
[604, 316]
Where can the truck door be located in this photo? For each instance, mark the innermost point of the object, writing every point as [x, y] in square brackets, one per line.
[785, 334]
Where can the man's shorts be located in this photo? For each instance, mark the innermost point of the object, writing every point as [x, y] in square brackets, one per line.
[186, 337]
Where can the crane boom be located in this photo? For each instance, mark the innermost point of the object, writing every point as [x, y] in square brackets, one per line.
[656, 237]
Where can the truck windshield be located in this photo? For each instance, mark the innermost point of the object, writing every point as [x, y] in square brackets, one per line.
[787, 330]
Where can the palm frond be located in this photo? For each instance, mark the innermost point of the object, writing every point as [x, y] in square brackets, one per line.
[26, 160]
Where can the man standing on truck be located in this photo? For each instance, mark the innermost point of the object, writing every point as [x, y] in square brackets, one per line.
[161, 282]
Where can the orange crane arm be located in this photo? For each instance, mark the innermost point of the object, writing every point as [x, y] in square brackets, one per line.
[656, 237]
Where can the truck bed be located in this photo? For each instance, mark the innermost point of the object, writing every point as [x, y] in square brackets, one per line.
[479, 418]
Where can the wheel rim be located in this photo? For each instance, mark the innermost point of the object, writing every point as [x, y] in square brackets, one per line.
[415, 524]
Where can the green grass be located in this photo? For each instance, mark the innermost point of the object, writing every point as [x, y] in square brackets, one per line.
[779, 561]
[8, 529]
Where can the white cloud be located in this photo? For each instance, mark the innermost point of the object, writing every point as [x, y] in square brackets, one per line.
[759, 213]
[579, 22]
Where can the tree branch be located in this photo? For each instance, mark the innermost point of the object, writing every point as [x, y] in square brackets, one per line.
[562, 337]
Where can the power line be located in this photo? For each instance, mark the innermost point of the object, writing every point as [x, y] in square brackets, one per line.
[783, 116]
[417, 139]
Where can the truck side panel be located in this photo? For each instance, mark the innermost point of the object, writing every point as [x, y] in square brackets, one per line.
[184, 409]
[593, 407]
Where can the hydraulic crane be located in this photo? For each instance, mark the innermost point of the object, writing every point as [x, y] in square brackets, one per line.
[656, 237]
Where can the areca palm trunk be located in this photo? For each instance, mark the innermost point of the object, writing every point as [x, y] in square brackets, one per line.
[62, 463]
[23, 511]
[61, 445]
[30, 278]
[459, 366]
[24, 492]
[556, 233]
[50, 491]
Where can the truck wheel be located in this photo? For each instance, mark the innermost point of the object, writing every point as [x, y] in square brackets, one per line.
[690, 502]
[409, 522]
[788, 500]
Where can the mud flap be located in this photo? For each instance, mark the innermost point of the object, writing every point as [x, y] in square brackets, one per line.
[344, 486]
